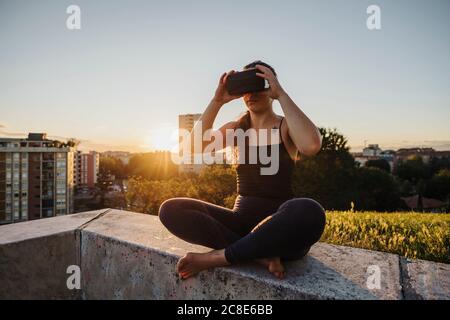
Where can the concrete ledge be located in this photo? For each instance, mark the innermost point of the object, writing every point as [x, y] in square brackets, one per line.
[425, 280]
[34, 256]
[126, 255]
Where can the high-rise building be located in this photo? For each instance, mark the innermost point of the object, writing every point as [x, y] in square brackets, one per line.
[186, 122]
[86, 166]
[36, 178]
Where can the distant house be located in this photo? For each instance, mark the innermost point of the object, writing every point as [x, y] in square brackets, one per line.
[425, 153]
[417, 202]
[373, 150]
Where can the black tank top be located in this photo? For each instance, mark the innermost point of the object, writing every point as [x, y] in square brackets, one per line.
[250, 181]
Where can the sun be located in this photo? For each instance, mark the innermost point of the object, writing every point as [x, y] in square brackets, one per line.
[164, 137]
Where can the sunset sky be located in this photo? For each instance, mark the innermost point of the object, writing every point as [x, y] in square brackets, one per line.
[121, 81]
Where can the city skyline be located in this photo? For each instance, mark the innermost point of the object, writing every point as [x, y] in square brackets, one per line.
[121, 81]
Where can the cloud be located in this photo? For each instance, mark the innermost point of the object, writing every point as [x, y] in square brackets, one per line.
[87, 145]
[12, 134]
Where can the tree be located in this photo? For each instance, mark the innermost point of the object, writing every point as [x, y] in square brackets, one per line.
[113, 167]
[380, 164]
[153, 165]
[216, 183]
[413, 169]
[406, 188]
[438, 187]
[437, 164]
[377, 190]
[328, 176]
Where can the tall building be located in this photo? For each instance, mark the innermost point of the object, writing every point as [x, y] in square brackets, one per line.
[187, 122]
[86, 166]
[36, 178]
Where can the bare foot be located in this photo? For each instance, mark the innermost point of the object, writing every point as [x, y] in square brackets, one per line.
[192, 263]
[274, 266]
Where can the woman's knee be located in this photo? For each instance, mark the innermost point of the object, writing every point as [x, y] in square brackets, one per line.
[305, 210]
[169, 210]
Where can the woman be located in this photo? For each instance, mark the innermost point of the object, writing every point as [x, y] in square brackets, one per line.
[266, 224]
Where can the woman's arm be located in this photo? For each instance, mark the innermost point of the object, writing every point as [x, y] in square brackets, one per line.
[304, 134]
[206, 120]
[302, 130]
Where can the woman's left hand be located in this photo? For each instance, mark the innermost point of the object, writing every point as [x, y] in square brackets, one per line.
[275, 90]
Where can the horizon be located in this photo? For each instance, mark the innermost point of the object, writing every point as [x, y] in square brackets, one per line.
[404, 145]
[120, 82]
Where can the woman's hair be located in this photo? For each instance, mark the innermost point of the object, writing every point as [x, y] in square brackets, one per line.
[254, 63]
[243, 122]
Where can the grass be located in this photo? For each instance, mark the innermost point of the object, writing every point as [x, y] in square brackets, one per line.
[413, 235]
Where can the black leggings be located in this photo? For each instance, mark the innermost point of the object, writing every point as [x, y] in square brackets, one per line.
[256, 228]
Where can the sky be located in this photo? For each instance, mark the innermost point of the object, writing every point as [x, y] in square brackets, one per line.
[120, 82]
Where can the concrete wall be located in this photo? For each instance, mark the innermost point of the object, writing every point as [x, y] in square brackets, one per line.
[34, 257]
[126, 255]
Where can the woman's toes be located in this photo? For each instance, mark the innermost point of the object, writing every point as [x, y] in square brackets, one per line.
[183, 263]
[180, 265]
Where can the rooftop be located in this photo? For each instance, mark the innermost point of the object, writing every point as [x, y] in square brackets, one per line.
[126, 255]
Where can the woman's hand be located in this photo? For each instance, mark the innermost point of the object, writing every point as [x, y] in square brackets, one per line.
[275, 90]
[222, 96]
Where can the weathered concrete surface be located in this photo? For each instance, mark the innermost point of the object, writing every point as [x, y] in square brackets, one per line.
[425, 280]
[122, 250]
[36, 268]
[34, 257]
[126, 255]
[33, 229]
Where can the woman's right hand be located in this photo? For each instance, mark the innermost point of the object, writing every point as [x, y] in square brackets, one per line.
[222, 96]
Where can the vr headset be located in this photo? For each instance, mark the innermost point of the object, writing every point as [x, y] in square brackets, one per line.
[244, 82]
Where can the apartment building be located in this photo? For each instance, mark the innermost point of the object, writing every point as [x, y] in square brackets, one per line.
[187, 122]
[36, 178]
[86, 167]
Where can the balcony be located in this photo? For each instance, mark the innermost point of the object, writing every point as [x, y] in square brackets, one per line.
[125, 255]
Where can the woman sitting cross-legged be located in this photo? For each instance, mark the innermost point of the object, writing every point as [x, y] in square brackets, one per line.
[267, 223]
